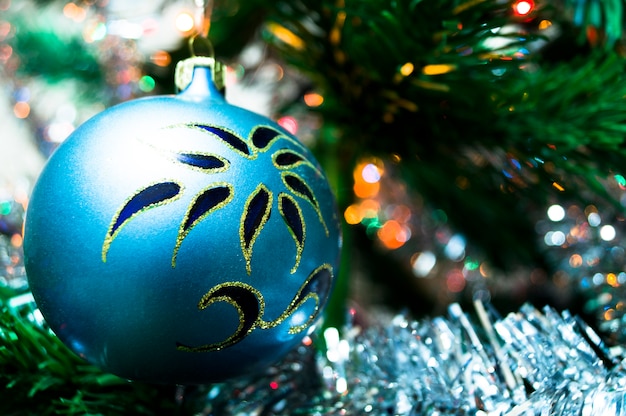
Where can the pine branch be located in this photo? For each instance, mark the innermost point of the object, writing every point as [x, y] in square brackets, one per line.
[40, 376]
[422, 81]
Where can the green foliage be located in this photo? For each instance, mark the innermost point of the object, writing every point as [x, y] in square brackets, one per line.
[487, 133]
[40, 376]
[53, 50]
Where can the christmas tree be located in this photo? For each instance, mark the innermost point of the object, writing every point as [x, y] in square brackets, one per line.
[476, 153]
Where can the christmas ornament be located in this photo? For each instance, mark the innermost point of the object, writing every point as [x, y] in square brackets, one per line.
[180, 239]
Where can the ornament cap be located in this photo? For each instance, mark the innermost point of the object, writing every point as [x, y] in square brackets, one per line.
[185, 72]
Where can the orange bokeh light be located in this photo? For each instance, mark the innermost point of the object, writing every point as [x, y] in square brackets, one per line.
[313, 99]
[364, 189]
[365, 186]
[16, 240]
[392, 234]
[74, 12]
[352, 214]
[161, 58]
[21, 109]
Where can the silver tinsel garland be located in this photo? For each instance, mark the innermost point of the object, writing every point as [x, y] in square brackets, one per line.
[528, 363]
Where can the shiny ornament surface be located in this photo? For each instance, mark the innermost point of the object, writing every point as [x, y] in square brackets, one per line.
[180, 239]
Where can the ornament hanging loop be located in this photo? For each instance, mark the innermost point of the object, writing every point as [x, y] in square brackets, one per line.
[202, 42]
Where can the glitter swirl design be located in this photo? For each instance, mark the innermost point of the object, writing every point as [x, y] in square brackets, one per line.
[217, 195]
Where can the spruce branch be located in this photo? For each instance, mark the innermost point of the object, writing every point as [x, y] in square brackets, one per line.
[41, 376]
[465, 108]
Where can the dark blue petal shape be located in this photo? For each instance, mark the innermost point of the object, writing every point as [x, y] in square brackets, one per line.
[292, 215]
[297, 185]
[319, 282]
[146, 198]
[150, 196]
[217, 196]
[204, 203]
[202, 161]
[256, 213]
[263, 136]
[245, 299]
[317, 287]
[288, 159]
[232, 140]
[300, 188]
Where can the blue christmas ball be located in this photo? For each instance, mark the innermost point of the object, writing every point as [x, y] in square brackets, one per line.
[181, 239]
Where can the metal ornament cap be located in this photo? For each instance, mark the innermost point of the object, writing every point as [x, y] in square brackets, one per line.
[185, 70]
[180, 239]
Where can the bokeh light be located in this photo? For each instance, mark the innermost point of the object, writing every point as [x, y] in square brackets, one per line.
[289, 123]
[594, 219]
[184, 22]
[423, 263]
[455, 281]
[455, 249]
[313, 99]
[438, 69]
[21, 109]
[74, 12]
[161, 58]
[556, 213]
[523, 7]
[146, 83]
[285, 35]
[407, 69]
[607, 232]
